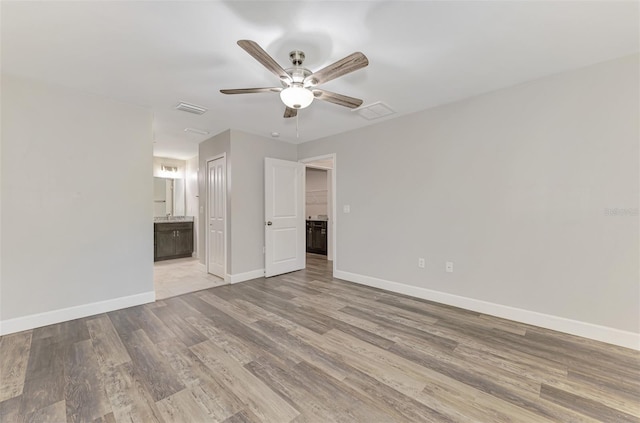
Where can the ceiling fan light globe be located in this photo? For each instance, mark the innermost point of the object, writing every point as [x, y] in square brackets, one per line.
[296, 97]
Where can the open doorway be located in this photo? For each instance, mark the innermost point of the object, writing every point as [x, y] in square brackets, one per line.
[177, 269]
[320, 208]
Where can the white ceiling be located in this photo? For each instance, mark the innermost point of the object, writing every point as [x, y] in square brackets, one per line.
[421, 54]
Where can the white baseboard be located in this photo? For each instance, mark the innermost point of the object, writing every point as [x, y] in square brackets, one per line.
[246, 276]
[32, 321]
[561, 324]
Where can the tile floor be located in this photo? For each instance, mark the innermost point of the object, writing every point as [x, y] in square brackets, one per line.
[180, 276]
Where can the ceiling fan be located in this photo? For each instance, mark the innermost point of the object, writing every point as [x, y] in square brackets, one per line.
[298, 83]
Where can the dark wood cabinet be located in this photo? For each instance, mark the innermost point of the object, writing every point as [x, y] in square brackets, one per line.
[317, 236]
[172, 240]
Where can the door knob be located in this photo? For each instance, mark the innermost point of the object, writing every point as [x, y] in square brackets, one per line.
[269, 223]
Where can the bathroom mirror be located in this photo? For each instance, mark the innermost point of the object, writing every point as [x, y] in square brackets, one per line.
[168, 197]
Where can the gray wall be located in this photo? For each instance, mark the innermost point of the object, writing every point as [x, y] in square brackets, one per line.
[76, 190]
[513, 186]
[247, 201]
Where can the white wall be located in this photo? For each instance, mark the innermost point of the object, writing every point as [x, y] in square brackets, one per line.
[316, 194]
[192, 199]
[513, 187]
[76, 199]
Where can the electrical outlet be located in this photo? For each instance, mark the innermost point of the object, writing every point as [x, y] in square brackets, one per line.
[449, 267]
[421, 262]
[346, 208]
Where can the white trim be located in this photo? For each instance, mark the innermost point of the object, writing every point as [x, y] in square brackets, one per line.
[76, 312]
[548, 321]
[246, 276]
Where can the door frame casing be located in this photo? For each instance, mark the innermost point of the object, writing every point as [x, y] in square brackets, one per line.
[334, 214]
[222, 156]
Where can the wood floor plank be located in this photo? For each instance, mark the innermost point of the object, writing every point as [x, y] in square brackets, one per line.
[203, 384]
[476, 373]
[182, 407]
[14, 353]
[10, 410]
[106, 342]
[153, 327]
[382, 370]
[595, 409]
[401, 325]
[261, 400]
[218, 402]
[158, 377]
[65, 332]
[304, 351]
[262, 314]
[229, 308]
[293, 391]
[241, 336]
[509, 389]
[231, 345]
[244, 416]
[600, 394]
[44, 381]
[180, 328]
[611, 383]
[426, 375]
[407, 408]
[85, 396]
[108, 418]
[54, 413]
[130, 400]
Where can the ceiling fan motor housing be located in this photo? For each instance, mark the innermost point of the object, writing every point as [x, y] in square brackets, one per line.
[296, 57]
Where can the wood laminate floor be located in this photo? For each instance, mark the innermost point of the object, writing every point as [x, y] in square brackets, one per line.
[305, 347]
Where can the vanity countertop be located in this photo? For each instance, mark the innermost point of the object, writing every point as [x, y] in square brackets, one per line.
[171, 219]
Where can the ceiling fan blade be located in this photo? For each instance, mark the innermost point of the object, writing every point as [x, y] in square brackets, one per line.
[344, 66]
[263, 57]
[342, 100]
[251, 90]
[289, 112]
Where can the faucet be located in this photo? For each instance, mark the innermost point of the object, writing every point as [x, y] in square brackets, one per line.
[168, 216]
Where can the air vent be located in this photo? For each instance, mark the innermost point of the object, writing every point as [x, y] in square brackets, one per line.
[191, 108]
[375, 111]
[196, 131]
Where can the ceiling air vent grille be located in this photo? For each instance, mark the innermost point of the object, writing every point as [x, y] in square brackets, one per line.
[191, 108]
[196, 131]
[375, 110]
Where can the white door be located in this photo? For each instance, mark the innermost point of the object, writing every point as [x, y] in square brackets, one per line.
[284, 230]
[216, 208]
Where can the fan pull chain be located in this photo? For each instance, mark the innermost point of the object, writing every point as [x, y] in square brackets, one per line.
[297, 134]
